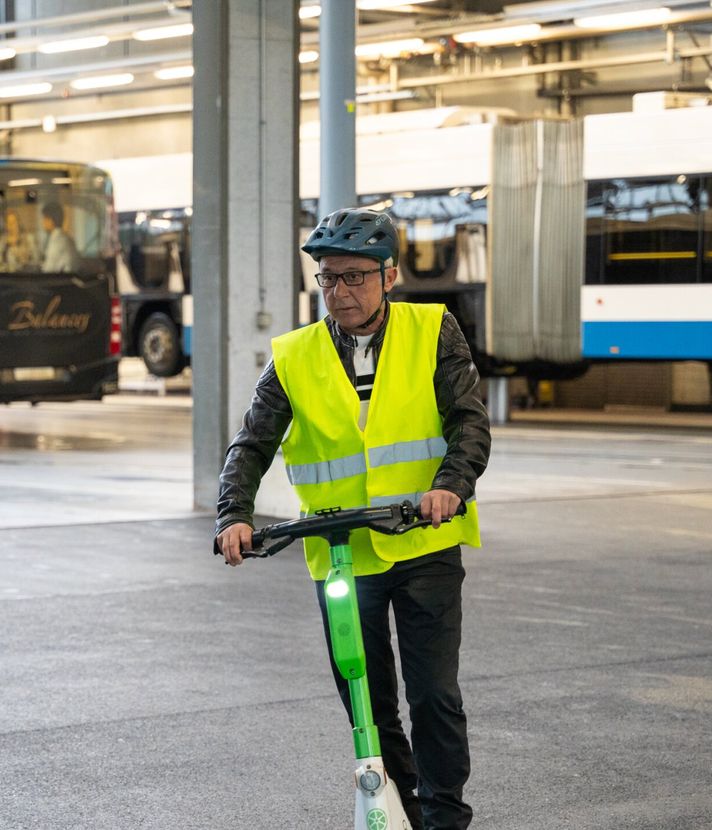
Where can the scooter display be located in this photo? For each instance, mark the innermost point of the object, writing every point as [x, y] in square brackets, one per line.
[378, 804]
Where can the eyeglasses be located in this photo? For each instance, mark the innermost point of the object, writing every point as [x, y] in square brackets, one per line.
[349, 277]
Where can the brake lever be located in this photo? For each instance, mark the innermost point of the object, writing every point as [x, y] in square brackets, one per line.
[405, 526]
[269, 550]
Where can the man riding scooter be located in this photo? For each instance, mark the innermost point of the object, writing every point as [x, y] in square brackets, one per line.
[375, 404]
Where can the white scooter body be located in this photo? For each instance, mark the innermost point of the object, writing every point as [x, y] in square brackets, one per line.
[378, 804]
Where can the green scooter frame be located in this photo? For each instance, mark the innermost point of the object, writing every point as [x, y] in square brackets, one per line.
[378, 804]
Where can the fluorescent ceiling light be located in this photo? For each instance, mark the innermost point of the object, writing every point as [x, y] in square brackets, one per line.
[102, 81]
[393, 48]
[20, 90]
[624, 20]
[500, 35]
[162, 32]
[312, 10]
[172, 73]
[23, 182]
[388, 4]
[308, 56]
[376, 97]
[74, 44]
[305, 12]
[7, 54]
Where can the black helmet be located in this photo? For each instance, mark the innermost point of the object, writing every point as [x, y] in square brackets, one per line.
[358, 231]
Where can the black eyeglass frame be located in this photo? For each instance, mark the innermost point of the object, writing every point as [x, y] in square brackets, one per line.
[319, 276]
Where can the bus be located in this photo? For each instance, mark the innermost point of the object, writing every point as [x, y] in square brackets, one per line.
[154, 268]
[60, 324]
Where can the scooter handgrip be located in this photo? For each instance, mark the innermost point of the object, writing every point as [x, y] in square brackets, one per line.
[258, 538]
[461, 509]
[262, 551]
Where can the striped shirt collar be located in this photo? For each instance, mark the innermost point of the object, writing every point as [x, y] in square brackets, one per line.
[348, 340]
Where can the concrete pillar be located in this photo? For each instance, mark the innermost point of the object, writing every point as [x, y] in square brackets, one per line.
[245, 147]
[337, 105]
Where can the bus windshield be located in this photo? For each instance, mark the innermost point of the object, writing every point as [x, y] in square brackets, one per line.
[60, 312]
[54, 218]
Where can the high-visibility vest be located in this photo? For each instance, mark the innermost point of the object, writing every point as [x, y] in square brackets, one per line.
[331, 462]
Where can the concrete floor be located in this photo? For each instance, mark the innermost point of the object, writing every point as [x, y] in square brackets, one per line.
[145, 685]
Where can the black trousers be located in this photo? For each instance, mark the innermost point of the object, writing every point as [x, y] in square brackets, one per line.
[426, 597]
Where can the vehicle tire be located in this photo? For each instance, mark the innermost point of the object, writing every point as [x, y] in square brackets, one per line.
[159, 345]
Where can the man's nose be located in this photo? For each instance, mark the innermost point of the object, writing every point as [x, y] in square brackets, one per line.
[340, 289]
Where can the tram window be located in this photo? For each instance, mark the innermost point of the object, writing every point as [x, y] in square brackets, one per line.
[651, 230]
[594, 233]
[706, 214]
[427, 224]
[150, 242]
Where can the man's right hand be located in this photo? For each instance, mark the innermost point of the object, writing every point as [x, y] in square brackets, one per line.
[233, 540]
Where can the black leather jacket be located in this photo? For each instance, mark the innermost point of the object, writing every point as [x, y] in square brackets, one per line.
[464, 417]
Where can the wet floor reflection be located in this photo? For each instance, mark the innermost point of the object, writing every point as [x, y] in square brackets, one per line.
[47, 442]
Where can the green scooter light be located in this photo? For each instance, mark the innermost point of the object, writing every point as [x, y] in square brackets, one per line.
[337, 589]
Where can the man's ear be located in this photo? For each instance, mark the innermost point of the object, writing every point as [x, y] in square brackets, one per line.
[391, 274]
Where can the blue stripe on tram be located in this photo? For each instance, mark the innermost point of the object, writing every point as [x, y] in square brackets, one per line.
[662, 340]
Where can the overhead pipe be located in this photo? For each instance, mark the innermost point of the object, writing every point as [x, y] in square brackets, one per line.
[446, 27]
[555, 66]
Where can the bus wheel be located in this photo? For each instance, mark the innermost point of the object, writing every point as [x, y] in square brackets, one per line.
[159, 345]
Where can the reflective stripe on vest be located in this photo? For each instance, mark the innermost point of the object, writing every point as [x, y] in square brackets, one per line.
[324, 471]
[405, 451]
[353, 465]
[333, 463]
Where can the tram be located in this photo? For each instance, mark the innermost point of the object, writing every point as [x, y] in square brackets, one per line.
[645, 276]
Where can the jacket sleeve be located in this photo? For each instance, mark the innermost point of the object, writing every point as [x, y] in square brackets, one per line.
[252, 451]
[464, 417]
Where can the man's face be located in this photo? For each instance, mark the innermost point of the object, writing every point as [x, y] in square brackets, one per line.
[350, 305]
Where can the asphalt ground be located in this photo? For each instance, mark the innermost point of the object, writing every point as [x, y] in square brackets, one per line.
[145, 685]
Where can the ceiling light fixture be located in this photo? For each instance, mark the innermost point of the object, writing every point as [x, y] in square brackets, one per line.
[7, 54]
[308, 56]
[21, 90]
[313, 10]
[624, 20]
[393, 48]
[102, 81]
[500, 35]
[173, 73]
[75, 44]
[307, 12]
[377, 97]
[387, 4]
[163, 32]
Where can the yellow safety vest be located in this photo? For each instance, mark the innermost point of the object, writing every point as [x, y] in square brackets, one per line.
[331, 462]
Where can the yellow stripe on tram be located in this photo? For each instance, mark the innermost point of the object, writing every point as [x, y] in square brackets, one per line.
[650, 255]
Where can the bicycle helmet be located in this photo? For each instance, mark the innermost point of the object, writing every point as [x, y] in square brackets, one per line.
[358, 231]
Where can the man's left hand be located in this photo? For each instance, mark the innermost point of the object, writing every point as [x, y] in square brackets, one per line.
[437, 505]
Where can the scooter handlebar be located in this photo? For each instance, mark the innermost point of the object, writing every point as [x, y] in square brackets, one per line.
[393, 520]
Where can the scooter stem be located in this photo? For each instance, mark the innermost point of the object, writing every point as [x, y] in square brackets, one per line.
[347, 647]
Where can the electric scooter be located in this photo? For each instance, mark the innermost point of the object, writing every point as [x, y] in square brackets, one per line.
[378, 804]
